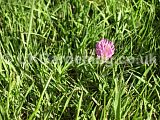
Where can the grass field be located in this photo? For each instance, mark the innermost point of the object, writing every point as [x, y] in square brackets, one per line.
[49, 69]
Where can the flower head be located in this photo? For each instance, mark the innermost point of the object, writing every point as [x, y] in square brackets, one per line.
[105, 49]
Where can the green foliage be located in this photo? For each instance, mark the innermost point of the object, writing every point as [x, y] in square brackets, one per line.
[34, 86]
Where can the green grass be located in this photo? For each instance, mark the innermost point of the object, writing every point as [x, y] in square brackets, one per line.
[35, 86]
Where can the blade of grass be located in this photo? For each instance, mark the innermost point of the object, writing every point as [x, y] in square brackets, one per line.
[40, 100]
[79, 106]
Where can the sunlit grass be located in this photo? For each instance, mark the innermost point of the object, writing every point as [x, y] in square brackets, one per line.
[33, 85]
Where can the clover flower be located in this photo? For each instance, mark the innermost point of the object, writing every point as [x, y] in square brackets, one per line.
[105, 49]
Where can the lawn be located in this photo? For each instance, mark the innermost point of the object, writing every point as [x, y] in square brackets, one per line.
[49, 69]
